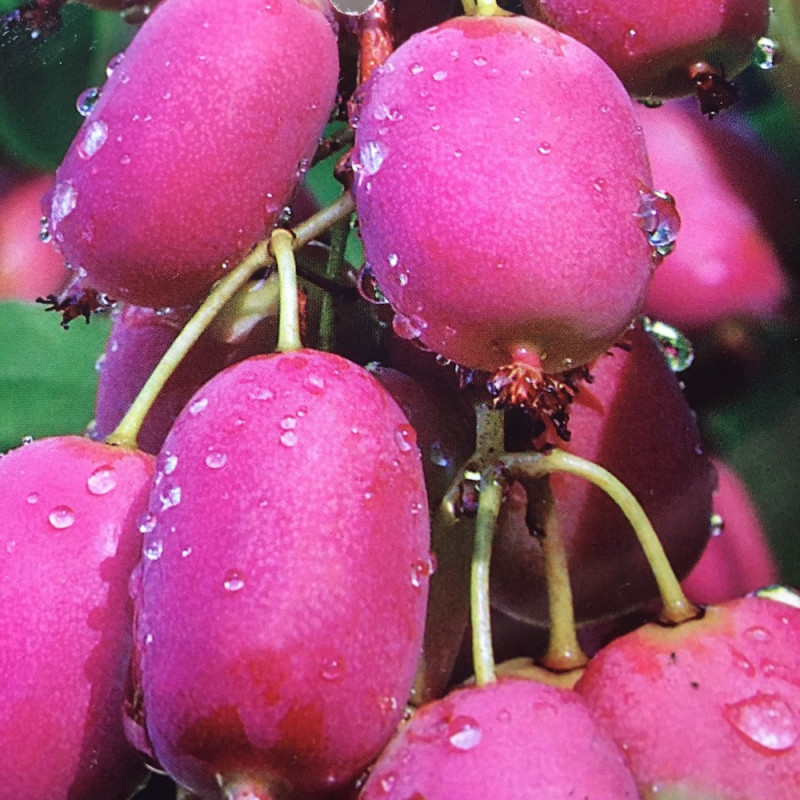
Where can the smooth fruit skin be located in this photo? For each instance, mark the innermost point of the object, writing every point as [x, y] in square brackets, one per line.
[493, 232]
[708, 709]
[284, 588]
[194, 146]
[738, 559]
[651, 46]
[634, 421]
[69, 543]
[510, 740]
[28, 268]
[723, 264]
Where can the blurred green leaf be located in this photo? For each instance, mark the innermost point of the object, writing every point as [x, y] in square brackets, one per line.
[40, 79]
[47, 376]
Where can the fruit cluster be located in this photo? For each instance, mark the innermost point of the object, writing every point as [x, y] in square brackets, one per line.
[397, 496]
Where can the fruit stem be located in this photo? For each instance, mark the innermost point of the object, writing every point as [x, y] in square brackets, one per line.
[489, 434]
[128, 429]
[564, 653]
[677, 607]
[485, 8]
[490, 499]
[246, 309]
[281, 244]
[469, 6]
[333, 269]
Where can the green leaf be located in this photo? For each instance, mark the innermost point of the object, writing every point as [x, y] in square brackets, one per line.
[40, 79]
[47, 377]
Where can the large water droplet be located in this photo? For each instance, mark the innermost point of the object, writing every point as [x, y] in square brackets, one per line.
[367, 286]
[371, 156]
[198, 405]
[675, 347]
[765, 721]
[439, 75]
[153, 551]
[102, 480]
[61, 517]
[170, 498]
[170, 462]
[94, 137]
[147, 522]
[87, 100]
[758, 634]
[767, 54]
[545, 148]
[233, 581]
[288, 438]
[63, 201]
[405, 437]
[113, 63]
[332, 670]
[659, 219]
[408, 327]
[216, 459]
[464, 733]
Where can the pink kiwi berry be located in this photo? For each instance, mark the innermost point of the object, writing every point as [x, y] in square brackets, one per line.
[199, 137]
[710, 708]
[653, 46]
[507, 740]
[737, 558]
[502, 187]
[633, 419]
[70, 540]
[283, 595]
[724, 264]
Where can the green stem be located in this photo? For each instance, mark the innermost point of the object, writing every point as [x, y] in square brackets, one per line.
[469, 6]
[127, 431]
[281, 244]
[486, 8]
[491, 497]
[249, 306]
[677, 607]
[333, 269]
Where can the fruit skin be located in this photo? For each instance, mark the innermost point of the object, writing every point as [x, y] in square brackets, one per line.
[651, 47]
[295, 480]
[709, 708]
[723, 264]
[185, 174]
[738, 560]
[66, 618]
[634, 421]
[482, 265]
[28, 268]
[510, 740]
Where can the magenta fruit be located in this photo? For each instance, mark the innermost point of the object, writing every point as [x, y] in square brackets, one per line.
[284, 588]
[69, 542]
[177, 172]
[510, 235]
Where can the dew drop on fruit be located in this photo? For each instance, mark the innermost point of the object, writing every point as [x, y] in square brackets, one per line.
[63, 201]
[758, 634]
[288, 438]
[408, 327]
[371, 156]
[170, 498]
[94, 138]
[216, 459]
[767, 54]
[170, 462]
[659, 219]
[368, 287]
[61, 517]
[44, 230]
[387, 782]
[421, 570]
[766, 722]
[332, 670]
[11, 546]
[33, 498]
[741, 662]
[87, 100]
[464, 733]
[113, 63]
[405, 437]
[674, 346]
[233, 581]
[153, 551]
[314, 384]
[198, 406]
[480, 61]
[102, 480]
[716, 525]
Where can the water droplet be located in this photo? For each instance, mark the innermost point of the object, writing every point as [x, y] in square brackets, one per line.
[480, 61]
[186, 552]
[61, 517]
[289, 423]
[421, 570]
[94, 138]
[125, 160]
[386, 783]
[198, 406]
[675, 347]
[741, 662]
[233, 581]
[87, 100]
[758, 634]
[767, 54]
[659, 219]
[371, 156]
[416, 69]
[11, 546]
[545, 148]
[288, 438]
[33, 498]
[147, 522]
[405, 437]
[766, 722]
[368, 287]
[63, 201]
[716, 524]
[170, 462]
[170, 498]
[408, 327]
[388, 705]
[332, 670]
[439, 75]
[464, 733]
[314, 384]
[600, 184]
[45, 235]
[113, 63]
[102, 480]
[216, 459]
[153, 551]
